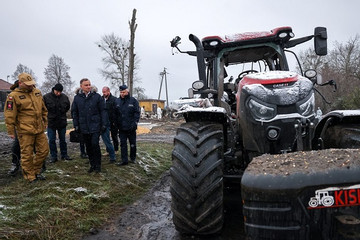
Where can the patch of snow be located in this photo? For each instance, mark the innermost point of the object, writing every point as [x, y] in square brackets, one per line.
[80, 189]
[347, 112]
[246, 36]
[273, 75]
[281, 96]
[177, 104]
[148, 125]
[188, 108]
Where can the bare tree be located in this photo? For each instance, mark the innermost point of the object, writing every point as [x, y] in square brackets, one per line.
[345, 59]
[345, 62]
[20, 68]
[133, 27]
[342, 65]
[116, 61]
[139, 93]
[57, 72]
[309, 60]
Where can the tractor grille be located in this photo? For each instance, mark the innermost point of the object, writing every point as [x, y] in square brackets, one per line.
[286, 109]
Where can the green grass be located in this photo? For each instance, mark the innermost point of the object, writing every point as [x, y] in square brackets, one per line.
[71, 201]
[2, 127]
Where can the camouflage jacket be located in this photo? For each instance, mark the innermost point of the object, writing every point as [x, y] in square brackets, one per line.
[25, 111]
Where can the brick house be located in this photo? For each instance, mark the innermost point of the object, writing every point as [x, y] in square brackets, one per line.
[4, 91]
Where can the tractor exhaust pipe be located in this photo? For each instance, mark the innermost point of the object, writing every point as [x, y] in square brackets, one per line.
[200, 58]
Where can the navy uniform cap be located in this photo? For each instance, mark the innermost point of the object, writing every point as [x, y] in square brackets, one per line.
[123, 87]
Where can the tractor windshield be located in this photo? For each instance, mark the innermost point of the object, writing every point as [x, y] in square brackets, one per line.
[236, 61]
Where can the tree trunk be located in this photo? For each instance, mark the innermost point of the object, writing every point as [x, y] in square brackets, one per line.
[133, 27]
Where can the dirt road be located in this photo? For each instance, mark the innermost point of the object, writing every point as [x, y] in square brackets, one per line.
[150, 217]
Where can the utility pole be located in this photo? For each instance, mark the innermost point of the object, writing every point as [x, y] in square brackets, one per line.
[163, 76]
[133, 27]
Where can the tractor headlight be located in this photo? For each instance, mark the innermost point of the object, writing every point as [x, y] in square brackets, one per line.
[197, 85]
[308, 107]
[260, 111]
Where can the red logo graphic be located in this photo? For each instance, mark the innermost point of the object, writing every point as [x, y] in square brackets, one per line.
[336, 197]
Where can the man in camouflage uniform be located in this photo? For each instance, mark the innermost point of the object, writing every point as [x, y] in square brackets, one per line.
[25, 111]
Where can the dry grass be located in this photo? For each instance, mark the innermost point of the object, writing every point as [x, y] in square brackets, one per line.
[71, 201]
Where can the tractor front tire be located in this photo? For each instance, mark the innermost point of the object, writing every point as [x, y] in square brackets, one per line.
[197, 178]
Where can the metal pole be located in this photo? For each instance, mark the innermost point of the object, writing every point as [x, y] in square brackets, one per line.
[166, 88]
[162, 77]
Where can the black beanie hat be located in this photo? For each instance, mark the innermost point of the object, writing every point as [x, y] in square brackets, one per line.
[15, 85]
[58, 87]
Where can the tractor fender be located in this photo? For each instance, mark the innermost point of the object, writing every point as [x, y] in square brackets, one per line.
[340, 118]
[209, 114]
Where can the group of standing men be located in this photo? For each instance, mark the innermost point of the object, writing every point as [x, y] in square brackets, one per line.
[28, 114]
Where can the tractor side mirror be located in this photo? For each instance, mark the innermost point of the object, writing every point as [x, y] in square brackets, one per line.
[320, 41]
[175, 42]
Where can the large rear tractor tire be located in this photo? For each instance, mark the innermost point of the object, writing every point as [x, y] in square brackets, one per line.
[197, 178]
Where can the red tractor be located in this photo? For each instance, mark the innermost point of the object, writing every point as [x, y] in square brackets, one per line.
[264, 109]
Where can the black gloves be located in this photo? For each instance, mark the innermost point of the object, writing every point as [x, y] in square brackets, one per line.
[103, 129]
[77, 129]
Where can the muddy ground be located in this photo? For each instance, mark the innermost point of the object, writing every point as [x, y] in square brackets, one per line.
[150, 217]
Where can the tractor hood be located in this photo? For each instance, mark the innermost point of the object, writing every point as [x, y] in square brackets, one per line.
[276, 87]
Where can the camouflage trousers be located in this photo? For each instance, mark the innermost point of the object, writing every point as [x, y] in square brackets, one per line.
[34, 148]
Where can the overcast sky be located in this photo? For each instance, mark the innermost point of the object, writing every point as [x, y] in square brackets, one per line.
[33, 30]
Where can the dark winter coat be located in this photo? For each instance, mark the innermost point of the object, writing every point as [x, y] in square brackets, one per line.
[127, 113]
[57, 107]
[109, 107]
[88, 113]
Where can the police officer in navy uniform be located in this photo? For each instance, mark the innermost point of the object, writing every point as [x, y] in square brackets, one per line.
[127, 113]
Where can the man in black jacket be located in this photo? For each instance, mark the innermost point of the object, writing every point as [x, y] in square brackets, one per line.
[127, 112]
[15, 148]
[109, 107]
[89, 118]
[57, 104]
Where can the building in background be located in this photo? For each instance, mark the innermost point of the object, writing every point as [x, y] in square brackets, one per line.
[4, 91]
[151, 105]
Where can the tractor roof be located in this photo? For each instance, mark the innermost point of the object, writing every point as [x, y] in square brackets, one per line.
[278, 35]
